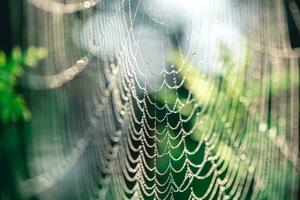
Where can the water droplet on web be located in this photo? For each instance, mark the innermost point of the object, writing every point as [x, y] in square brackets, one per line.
[88, 3]
[226, 197]
[263, 127]
[251, 169]
[81, 62]
[236, 144]
[243, 157]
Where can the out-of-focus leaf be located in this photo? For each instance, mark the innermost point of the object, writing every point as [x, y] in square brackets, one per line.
[33, 55]
[2, 59]
[12, 105]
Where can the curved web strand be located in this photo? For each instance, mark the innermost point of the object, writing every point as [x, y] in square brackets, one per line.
[172, 100]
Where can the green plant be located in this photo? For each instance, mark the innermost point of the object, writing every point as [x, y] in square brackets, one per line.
[12, 104]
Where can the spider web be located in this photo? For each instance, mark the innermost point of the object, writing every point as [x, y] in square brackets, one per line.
[162, 100]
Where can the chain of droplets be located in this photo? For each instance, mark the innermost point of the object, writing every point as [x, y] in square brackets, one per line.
[143, 138]
[128, 105]
[143, 135]
[243, 181]
[62, 8]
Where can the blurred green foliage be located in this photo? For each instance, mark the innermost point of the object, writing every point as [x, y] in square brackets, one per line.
[12, 104]
[14, 115]
[199, 96]
[206, 104]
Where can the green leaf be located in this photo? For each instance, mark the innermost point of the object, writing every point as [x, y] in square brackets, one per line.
[12, 105]
[2, 59]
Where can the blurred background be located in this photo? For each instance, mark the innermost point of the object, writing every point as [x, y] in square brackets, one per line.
[100, 98]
